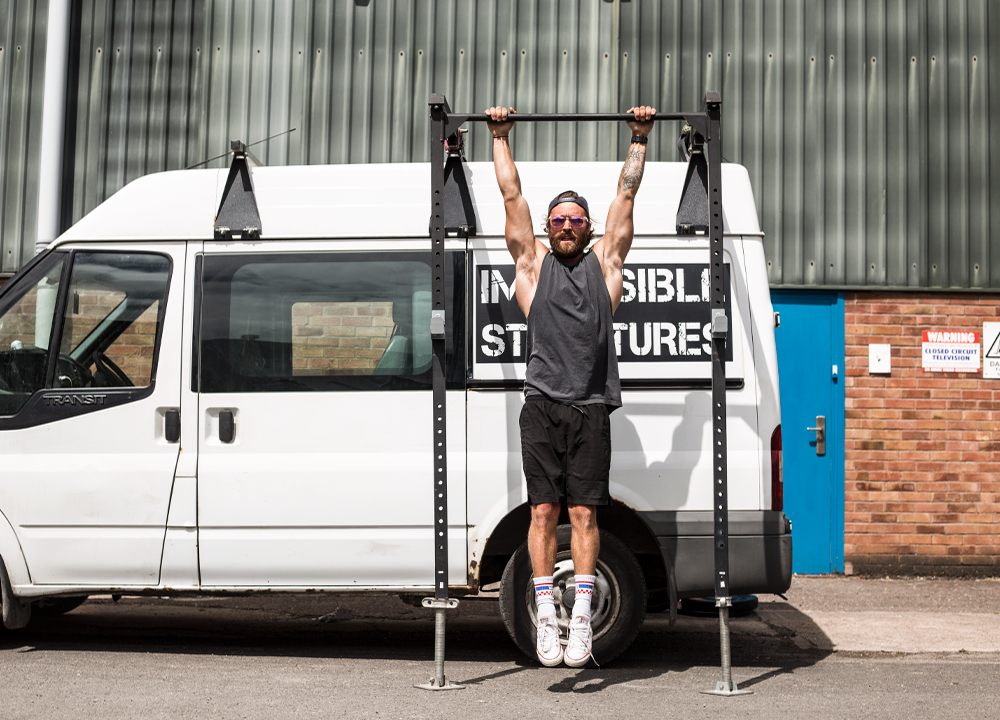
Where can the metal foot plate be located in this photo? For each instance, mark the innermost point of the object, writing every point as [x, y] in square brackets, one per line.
[433, 685]
[724, 689]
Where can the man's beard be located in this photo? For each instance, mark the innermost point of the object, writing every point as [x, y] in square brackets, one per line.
[564, 253]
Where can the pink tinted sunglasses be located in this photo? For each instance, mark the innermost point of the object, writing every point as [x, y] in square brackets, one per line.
[576, 221]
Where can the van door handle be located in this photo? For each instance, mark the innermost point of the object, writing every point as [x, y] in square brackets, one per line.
[820, 431]
[172, 425]
[227, 426]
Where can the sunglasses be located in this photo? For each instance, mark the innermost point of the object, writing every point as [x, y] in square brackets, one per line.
[575, 221]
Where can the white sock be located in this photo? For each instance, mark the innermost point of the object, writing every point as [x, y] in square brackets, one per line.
[584, 594]
[543, 597]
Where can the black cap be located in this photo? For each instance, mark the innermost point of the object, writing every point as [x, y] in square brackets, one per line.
[569, 196]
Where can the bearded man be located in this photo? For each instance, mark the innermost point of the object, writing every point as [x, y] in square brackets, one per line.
[568, 294]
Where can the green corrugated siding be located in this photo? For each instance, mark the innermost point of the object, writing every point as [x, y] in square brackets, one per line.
[865, 124]
[22, 70]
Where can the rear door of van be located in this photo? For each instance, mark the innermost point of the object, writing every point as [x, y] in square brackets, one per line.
[315, 465]
[89, 383]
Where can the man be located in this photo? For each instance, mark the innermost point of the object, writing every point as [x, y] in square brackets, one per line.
[568, 294]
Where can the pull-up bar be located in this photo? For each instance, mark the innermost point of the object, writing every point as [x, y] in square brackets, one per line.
[699, 121]
[700, 209]
[573, 117]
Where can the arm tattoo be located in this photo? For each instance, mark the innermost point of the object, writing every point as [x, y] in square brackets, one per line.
[635, 163]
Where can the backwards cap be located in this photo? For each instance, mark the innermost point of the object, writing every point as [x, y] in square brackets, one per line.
[569, 196]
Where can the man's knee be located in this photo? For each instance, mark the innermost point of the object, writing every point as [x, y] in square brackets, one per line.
[583, 517]
[545, 515]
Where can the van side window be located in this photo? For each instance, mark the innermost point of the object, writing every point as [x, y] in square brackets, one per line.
[112, 319]
[26, 313]
[319, 321]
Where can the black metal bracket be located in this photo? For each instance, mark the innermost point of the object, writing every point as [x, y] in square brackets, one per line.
[712, 154]
[238, 216]
[438, 139]
[459, 210]
[693, 210]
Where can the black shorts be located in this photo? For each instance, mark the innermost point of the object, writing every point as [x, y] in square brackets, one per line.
[566, 451]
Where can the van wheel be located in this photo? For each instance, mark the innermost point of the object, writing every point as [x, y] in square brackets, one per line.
[618, 606]
[51, 607]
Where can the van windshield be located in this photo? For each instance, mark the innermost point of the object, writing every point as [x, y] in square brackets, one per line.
[109, 317]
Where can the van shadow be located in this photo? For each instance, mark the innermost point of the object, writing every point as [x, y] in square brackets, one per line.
[775, 640]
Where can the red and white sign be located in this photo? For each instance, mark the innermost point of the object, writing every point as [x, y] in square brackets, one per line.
[951, 351]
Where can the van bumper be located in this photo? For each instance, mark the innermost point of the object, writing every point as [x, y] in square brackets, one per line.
[760, 550]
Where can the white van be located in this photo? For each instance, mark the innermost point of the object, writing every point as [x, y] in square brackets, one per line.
[184, 414]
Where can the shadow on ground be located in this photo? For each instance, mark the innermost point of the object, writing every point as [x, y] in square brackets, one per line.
[383, 628]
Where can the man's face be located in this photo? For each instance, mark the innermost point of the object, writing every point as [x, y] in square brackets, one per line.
[566, 241]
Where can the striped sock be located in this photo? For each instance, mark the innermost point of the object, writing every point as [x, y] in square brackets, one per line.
[584, 594]
[543, 597]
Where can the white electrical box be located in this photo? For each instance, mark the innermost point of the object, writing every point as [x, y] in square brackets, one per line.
[879, 359]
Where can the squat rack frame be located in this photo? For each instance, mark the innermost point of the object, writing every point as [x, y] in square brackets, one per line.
[700, 211]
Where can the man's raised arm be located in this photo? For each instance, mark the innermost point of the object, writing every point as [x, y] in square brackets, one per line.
[619, 229]
[520, 238]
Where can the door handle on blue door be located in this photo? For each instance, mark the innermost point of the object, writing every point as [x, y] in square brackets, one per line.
[820, 431]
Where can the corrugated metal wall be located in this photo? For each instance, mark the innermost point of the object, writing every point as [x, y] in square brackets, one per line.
[137, 99]
[864, 123]
[22, 71]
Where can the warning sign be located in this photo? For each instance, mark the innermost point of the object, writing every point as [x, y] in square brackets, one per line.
[951, 351]
[991, 347]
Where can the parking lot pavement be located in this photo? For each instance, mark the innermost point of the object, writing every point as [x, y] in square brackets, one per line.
[889, 615]
[838, 647]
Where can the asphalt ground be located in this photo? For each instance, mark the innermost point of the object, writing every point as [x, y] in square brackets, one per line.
[837, 647]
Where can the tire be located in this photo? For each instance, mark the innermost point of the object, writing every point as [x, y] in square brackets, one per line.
[618, 606]
[54, 606]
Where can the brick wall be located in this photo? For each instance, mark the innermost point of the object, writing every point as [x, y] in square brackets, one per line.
[922, 455]
[339, 338]
[132, 351]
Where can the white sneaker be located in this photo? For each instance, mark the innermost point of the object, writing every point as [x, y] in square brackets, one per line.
[547, 645]
[581, 642]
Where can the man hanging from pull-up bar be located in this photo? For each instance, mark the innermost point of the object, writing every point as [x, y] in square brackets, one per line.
[568, 294]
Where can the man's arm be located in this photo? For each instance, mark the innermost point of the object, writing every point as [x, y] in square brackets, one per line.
[521, 240]
[614, 246]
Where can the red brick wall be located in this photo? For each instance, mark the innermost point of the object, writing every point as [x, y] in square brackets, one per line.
[922, 456]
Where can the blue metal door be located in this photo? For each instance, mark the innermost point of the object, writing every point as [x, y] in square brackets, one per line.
[810, 370]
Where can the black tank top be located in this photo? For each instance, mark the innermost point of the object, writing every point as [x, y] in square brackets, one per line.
[570, 343]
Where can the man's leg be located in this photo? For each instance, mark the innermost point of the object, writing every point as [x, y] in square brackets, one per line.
[542, 543]
[586, 543]
[542, 549]
[585, 546]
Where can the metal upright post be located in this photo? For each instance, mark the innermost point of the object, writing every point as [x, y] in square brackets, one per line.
[720, 336]
[440, 602]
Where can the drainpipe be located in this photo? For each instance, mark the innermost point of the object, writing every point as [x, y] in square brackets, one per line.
[50, 170]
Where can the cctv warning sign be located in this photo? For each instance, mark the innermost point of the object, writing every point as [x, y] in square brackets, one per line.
[950, 351]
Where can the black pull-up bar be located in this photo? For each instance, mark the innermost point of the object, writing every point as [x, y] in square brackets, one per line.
[574, 117]
[451, 121]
